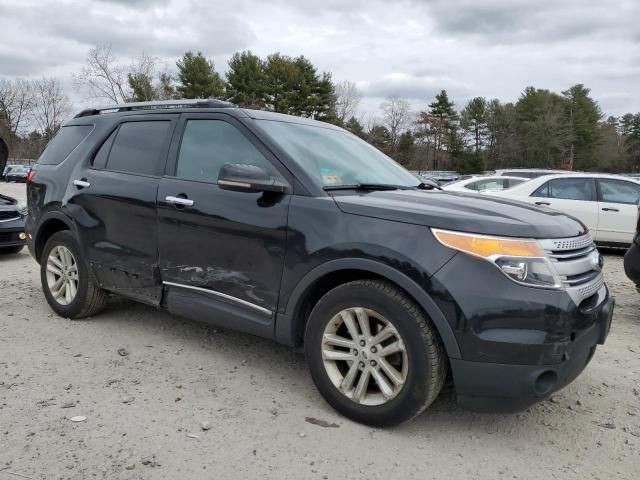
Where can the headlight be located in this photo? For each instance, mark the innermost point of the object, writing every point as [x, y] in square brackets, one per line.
[22, 209]
[522, 260]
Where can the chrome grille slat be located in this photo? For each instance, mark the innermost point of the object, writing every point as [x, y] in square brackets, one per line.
[575, 261]
[573, 254]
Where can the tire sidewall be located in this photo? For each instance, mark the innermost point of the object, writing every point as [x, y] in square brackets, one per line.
[413, 395]
[65, 239]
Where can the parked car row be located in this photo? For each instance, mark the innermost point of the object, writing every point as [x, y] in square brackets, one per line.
[606, 204]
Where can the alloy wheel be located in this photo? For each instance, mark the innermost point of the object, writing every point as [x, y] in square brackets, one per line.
[364, 356]
[62, 275]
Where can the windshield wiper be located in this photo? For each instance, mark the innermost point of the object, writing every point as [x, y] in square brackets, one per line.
[365, 186]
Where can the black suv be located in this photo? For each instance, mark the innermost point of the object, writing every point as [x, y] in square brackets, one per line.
[296, 230]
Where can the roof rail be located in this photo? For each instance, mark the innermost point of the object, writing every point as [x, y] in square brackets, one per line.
[155, 105]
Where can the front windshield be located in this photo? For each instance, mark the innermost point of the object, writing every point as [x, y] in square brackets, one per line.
[337, 157]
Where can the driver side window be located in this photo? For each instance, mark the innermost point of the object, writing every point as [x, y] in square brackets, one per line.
[208, 144]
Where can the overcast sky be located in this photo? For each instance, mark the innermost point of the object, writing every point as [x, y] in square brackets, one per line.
[411, 48]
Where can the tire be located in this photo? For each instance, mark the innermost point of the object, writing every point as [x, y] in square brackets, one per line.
[89, 299]
[11, 250]
[374, 302]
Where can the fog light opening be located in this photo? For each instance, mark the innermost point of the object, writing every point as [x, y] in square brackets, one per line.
[22, 236]
[545, 382]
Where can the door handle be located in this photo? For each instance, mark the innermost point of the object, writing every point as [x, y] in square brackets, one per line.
[543, 203]
[183, 202]
[606, 209]
[81, 183]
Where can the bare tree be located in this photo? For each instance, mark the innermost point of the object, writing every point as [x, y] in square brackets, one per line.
[348, 99]
[51, 106]
[103, 77]
[16, 101]
[395, 113]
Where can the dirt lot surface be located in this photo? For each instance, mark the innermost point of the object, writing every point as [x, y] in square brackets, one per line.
[148, 382]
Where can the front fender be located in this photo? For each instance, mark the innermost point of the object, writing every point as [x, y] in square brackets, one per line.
[287, 322]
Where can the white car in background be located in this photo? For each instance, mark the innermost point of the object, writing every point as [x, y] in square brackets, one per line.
[606, 204]
[484, 184]
[529, 172]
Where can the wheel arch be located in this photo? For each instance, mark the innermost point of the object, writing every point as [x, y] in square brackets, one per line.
[52, 223]
[290, 324]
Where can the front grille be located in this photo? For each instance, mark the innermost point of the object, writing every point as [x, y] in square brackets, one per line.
[7, 215]
[577, 262]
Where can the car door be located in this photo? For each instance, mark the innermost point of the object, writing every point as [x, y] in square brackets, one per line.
[221, 252]
[575, 196]
[618, 210]
[112, 199]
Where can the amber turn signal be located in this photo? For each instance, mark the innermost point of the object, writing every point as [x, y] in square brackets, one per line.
[486, 247]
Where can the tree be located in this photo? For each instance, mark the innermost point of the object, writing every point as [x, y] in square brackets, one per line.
[140, 79]
[293, 86]
[348, 99]
[474, 120]
[246, 80]
[404, 153]
[198, 77]
[16, 101]
[584, 116]
[103, 76]
[355, 127]
[395, 114]
[380, 137]
[51, 107]
[543, 132]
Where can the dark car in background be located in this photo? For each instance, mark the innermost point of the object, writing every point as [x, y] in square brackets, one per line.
[12, 215]
[298, 231]
[17, 173]
[632, 257]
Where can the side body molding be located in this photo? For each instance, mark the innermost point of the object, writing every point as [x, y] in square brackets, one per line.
[287, 322]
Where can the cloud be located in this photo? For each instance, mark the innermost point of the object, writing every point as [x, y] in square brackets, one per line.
[413, 48]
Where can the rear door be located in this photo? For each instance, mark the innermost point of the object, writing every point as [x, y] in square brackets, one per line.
[575, 196]
[618, 210]
[221, 252]
[113, 203]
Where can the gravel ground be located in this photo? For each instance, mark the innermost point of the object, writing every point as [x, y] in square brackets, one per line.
[148, 382]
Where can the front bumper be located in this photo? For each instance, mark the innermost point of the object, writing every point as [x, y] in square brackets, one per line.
[10, 233]
[494, 387]
[632, 262]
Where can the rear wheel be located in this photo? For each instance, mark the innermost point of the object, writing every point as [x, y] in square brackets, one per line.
[373, 354]
[68, 285]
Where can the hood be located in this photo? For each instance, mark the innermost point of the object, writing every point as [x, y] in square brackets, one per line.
[461, 212]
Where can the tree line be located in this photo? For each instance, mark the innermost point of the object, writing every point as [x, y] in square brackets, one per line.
[541, 129]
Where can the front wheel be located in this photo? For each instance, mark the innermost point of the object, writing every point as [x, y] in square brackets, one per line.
[66, 280]
[373, 354]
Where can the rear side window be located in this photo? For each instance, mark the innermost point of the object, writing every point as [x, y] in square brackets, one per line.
[619, 191]
[138, 147]
[567, 189]
[65, 142]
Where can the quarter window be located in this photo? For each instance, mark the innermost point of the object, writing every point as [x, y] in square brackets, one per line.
[567, 189]
[65, 142]
[208, 144]
[139, 147]
[619, 191]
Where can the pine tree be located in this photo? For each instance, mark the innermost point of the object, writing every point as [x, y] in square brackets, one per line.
[246, 80]
[198, 77]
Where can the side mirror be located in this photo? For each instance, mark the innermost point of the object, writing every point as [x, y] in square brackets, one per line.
[248, 178]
